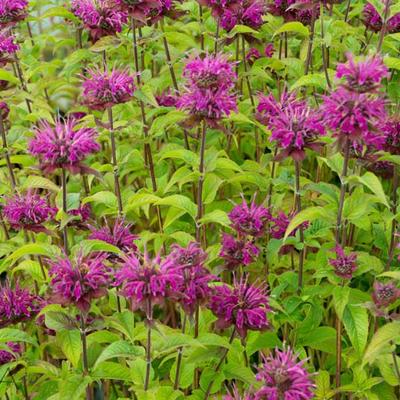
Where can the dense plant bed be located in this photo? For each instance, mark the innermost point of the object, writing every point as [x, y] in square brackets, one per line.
[199, 200]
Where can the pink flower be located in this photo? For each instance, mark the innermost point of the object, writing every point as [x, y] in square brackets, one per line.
[363, 76]
[12, 11]
[119, 236]
[344, 265]
[100, 17]
[166, 99]
[373, 21]
[17, 305]
[237, 252]
[4, 110]
[269, 50]
[253, 54]
[237, 396]
[243, 306]
[144, 283]
[295, 129]
[102, 89]
[391, 130]
[7, 47]
[192, 278]
[28, 211]
[80, 280]
[209, 88]
[243, 12]
[358, 116]
[83, 213]
[142, 10]
[63, 146]
[385, 294]
[250, 220]
[284, 378]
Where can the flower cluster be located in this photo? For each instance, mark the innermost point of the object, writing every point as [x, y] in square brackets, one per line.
[81, 216]
[385, 294]
[78, 281]
[102, 89]
[17, 305]
[13, 349]
[187, 264]
[7, 47]
[12, 11]
[344, 265]
[295, 10]
[209, 87]
[373, 21]
[100, 17]
[28, 211]
[119, 236]
[4, 110]
[283, 377]
[63, 146]
[356, 110]
[243, 306]
[254, 54]
[144, 283]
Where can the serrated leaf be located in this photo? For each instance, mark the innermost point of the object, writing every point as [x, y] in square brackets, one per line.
[181, 202]
[112, 370]
[308, 214]
[71, 345]
[7, 76]
[35, 182]
[15, 335]
[216, 216]
[104, 197]
[42, 249]
[294, 27]
[355, 321]
[93, 245]
[120, 348]
[374, 184]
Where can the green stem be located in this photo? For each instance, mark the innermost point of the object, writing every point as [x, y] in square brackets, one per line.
[64, 207]
[179, 358]
[149, 314]
[298, 209]
[201, 183]
[85, 355]
[384, 25]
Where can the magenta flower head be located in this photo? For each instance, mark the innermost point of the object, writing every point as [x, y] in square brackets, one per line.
[4, 110]
[362, 76]
[209, 84]
[166, 99]
[79, 280]
[295, 129]
[391, 131]
[269, 50]
[373, 21]
[144, 283]
[28, 211]
[119, 236]
[385, 294]
[252, 55]
[237, 396]
[344, 265]
[7, 47]
[142, 10]
[284, 378]
[249, 220]
[81, 216]
[242, 306]
[104, 89]
[12, 11]
[11, 353]
[17, 305]
[357, 116]
[192, 278]
[63, 146]
[237, 252]
[100, 17]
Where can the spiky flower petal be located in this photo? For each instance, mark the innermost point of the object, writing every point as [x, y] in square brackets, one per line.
[344, 265]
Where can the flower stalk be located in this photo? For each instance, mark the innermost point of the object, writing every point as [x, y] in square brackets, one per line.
[6, 152]
[149, 316]
[64, 207]
[85, 355]
[200, 206]
[301, 230]
[179, 357]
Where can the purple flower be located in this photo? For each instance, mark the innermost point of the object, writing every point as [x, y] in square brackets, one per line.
[295, 129]
[17, 305]
[12, 11]
[82, 213]
[28, 211]
[142, 10]
[249, 220]
[63, 146]
[244, 306]
[269, 50]
[363, 76]
[100, 17]
[304, 9]
[344, 265]
[7, 356]
[102, 89]
[385, 294]
[80, 280]
[281, 8]
[144, 283]
[166, 99]
[253, 54]
[391, 131]
[208, 91]
[192, 278]
[284, 378]
[237, 396]
[119, 235]
[358, 116]
[7, 47]
[237, 252]
[4, 110]
[373, 21]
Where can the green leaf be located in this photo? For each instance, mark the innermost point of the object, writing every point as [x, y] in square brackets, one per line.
[73, 387]
[209, 375]
[187, 156]
[374, 184]
[210, 188]
[308, 214]
[15, 335]
[120, 348]
[317, 80]
[391, 274]
[340, 299]
[216, 216]
[355, 321]
[322, 390]
[112, 370]
[322, 338]
[181, 202]
[41, 249]
[34, 182]
[163, 122]
[294, 27]
[58, 321]
[93, 245]
[392, 62]
[7, 76]
[104, 197]
[105, 43]
[379, 344]
[71, 345]
[59, 12]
